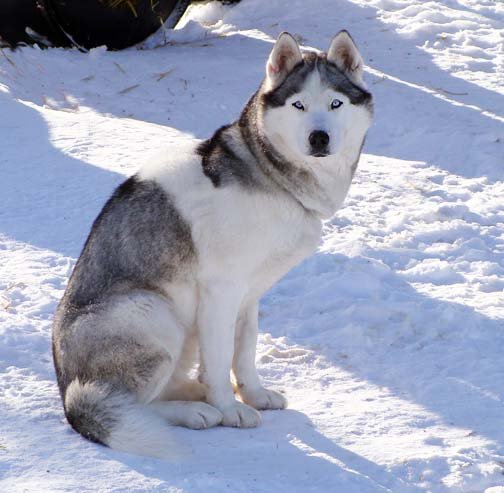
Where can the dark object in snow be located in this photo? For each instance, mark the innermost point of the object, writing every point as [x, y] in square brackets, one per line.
[85, 23]
[20, 17]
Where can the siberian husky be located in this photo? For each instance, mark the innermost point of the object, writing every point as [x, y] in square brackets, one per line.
[169, 279]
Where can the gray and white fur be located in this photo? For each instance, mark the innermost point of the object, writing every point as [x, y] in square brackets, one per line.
[170, 277]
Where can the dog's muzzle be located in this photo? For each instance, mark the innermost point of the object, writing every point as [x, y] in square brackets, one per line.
[319, 143]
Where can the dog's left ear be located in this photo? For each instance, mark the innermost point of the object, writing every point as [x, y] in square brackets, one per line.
[283, 58]
[345, 55]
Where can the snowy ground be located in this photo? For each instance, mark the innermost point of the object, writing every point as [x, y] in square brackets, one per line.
[388, 341]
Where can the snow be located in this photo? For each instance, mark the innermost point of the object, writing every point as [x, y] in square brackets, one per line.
[388, 341]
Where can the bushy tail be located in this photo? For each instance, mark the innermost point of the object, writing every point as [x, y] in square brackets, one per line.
[115, 419]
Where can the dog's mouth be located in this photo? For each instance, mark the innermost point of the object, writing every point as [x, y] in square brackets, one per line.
[320, 154]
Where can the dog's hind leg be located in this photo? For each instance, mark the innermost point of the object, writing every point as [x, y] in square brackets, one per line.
[114, 363]
[177, 403]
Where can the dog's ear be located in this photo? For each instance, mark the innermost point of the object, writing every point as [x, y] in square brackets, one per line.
[283, 58]
[345, 55]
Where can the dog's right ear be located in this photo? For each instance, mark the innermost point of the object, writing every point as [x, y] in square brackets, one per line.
[283, 58]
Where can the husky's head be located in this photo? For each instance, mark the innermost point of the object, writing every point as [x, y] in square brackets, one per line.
[315, 105]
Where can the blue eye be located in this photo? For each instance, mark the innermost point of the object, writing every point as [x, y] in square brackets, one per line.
[336, 103]
[298, 105]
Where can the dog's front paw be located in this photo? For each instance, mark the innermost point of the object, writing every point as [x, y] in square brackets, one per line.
[240, 416]
[263, 399]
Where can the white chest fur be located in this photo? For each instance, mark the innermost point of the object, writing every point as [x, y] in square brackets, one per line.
[253, 236]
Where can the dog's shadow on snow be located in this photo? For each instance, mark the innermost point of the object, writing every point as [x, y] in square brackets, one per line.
[285, 450]
[47, 198]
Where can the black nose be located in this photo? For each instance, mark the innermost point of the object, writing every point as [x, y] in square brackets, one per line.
[319, 140]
